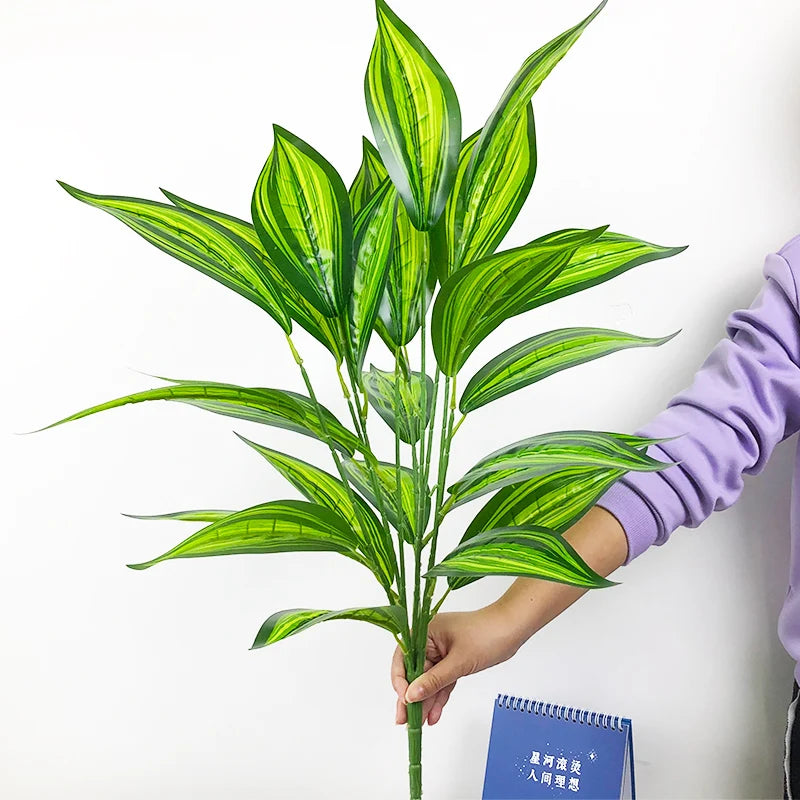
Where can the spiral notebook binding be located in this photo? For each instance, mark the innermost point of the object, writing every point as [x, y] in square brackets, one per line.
[566, 713]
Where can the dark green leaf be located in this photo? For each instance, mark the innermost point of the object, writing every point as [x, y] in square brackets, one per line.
[550, 452]
[410, 285]
[487, 198]
[301, 213]
[374, 235]
[597, 261]
[555, 501]
[371, 174]
[300, 310]
[479, 297]
[282, 526]
[415, 118]
[295, 620]
[198, 241]
[205, 515]
[544, 355]
[529, 552]
[382, 389]
[517, 96]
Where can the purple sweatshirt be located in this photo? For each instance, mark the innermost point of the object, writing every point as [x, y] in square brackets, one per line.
[743, 401]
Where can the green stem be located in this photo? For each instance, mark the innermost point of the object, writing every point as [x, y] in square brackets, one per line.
[414, 728]
[334, 454]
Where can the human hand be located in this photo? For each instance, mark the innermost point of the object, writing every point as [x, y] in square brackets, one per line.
[459, 644]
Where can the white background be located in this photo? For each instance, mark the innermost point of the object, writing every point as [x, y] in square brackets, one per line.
[676, 122]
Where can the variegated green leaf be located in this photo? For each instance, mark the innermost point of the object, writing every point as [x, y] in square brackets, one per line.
[275, 407]
[555, 501]
[404, 522]
[415, 117]
[487, 198]
[204, 515]
[302, 215]
[597, 261]
[529, 552]
[518, 93]
[300, 310]
[320, 487]
[373, 243]
[200, 242]
[549, 452]
[295, 620]
[544, 355]
[479, 297]
[382, 390]
[371, 174]
[282, 526]
[410, 284]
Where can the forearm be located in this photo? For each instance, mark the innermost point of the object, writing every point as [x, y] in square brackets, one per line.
[530, 603]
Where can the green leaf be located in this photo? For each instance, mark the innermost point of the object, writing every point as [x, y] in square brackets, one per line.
[320, 487]
[200, 242]
[479, 297]
[295, 620]
[549, 452]
[301, 213]
[544, 355]
[415, 117]
[410, 285]
[275, 407]
[529, 552]
[555, 501]
[597, 261]
[374, 235]
[300, 310]
[382, 389]
[517, 96]
[371, 174]
[282, 526]
[404, 522]
[487, 198]
[205, 515]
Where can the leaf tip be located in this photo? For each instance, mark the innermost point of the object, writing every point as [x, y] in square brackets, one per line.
[141, 566]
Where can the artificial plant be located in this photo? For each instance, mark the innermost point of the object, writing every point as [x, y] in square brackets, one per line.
[418, 230]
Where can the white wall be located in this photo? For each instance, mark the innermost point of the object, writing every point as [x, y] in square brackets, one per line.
[678, 122]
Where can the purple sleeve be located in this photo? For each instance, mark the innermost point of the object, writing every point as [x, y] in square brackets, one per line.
[743, 401]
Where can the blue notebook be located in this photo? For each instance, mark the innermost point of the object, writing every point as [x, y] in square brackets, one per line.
[541, 750]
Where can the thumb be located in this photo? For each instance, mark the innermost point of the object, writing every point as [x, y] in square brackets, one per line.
[441, 674]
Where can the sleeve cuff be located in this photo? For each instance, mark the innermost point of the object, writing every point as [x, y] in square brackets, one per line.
[634, 514]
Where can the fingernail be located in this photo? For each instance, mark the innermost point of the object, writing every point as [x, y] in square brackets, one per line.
[414, 694]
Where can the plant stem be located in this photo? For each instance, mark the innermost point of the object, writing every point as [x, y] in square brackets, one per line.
[414, 729]
[334, 454]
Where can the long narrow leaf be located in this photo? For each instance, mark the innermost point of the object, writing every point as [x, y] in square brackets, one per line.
[295, 620]
[479, 297]
[302, 215]
[544, 355]
[320, 487]
[408, 420]
[555, 501]
[528, 551]
[597, 261]
[200, 242]
[282, 526]
[274, 407]
[518, 93]
[374, 228]
[300, 310]
[371, 174]
[489, 194]
[204, 515]
[550, 452]
[415, 117]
